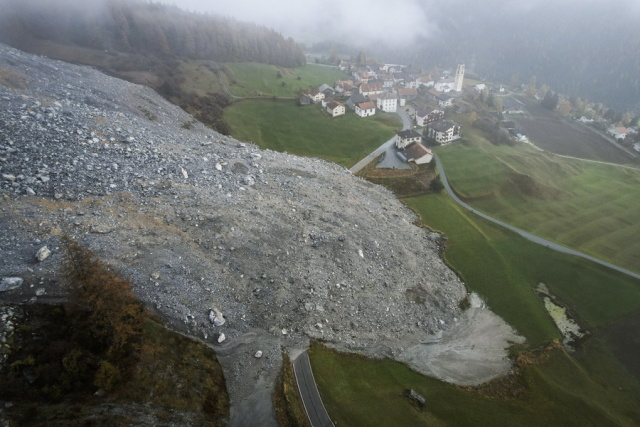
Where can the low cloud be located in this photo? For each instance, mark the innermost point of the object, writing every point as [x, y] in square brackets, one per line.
[355, 22]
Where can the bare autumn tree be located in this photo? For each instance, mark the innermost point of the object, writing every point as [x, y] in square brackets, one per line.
[116, 316]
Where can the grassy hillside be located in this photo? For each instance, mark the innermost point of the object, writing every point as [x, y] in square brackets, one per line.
[504, 268]
[282, 125]
[554, 388]
[557, 392]
[587, 206]
[252, 79]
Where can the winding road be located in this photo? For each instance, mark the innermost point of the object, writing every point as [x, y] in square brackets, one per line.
[536, 239]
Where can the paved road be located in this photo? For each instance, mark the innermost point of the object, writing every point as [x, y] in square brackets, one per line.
[309, 392]
[406, 124]
[539, 240]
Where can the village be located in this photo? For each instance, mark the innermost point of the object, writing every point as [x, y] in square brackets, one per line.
[425, 99]
[388, 88]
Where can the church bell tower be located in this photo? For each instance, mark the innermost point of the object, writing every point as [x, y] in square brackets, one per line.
[459, 77]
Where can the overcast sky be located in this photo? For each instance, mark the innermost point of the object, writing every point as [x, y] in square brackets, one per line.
[309, 20]
[393, 22]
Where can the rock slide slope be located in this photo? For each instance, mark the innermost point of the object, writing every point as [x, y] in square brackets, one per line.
[281, 248]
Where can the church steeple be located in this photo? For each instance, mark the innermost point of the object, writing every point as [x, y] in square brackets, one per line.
[459, 77]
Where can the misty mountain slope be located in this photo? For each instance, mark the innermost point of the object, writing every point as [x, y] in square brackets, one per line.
[143, 28]
[286, 248]
[585, 49]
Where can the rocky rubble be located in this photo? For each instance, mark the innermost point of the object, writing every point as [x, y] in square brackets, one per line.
[224, 240]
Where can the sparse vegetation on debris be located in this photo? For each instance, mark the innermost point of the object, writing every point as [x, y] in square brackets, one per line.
[103, 343]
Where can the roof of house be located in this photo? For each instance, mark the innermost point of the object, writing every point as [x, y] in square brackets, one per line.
[443, 125]
[366, 105]
[374, 87]
[444, 97]
[324, 87]
[333, 105]
[435, 92]
[357, 98]
[407, 92]
[425, 111]
[511, 103]
[415, 150]
[409, 133]
[343, 82]
[387, 95]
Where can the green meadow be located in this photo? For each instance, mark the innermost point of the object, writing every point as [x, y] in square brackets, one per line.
[282, 125]
[559, 392]
[588, 387]
[250, 79]
[504, 269]
[587, 206]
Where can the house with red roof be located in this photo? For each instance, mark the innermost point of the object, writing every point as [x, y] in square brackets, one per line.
[365, 109]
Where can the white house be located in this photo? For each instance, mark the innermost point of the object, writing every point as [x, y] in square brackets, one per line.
[511, 105]
[406, 137]
[387, 82]
[417, 153]
[367, 89]
[585, 120]
[618, 132]
[444, 100]
[316, 96]
[407, 94]
[335, 109]
[445, 86]
[387, 102]
[365, 109]
[340, 85]
[427, 115]
[412, 82]
[426, 80]
[444, 131]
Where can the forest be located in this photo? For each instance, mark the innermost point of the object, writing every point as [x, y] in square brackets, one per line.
[148, 28]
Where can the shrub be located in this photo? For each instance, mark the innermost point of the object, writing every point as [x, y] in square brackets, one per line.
[107, 377]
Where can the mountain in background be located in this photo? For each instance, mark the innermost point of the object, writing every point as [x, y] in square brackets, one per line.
[588, 49]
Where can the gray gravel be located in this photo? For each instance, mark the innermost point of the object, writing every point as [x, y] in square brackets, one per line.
[286, 248]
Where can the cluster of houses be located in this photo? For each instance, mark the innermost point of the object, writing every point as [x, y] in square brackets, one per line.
[410, 148]
[381, 87]
[387, 88]
[409, 142]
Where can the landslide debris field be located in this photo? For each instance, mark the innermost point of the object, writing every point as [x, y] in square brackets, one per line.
[210, 229]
